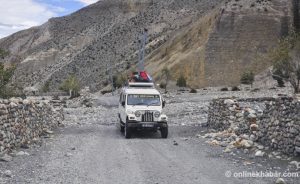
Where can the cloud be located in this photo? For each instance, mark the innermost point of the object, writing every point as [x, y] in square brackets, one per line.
[16, 15]
[87, 2]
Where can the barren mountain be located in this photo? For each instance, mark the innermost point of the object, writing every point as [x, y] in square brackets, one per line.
[219, 47]
[211, 42]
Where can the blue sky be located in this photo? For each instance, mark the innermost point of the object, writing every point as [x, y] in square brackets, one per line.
[16, 15]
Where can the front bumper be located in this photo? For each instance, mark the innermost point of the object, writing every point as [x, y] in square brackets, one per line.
[147, 125]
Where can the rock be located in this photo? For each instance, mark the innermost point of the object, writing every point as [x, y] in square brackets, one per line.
[6, 158]
[8, 173]
[229, 102]
[239, 115]
[227, 150]
[68, 154]
[252, 116]
[245, 136]
[48, 131]
[297, 149]
[261, 147]
[278, 157]
[25, 146]
[246, 151]
[246, 143]
[214, 143]
[259, 153]
[254, 127]
[207, 136]
[280, 181]
[295, 163]
[223, 144]
[252, 137]
[22, 153]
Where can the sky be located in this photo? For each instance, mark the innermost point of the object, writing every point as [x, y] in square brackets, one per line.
[16, 15]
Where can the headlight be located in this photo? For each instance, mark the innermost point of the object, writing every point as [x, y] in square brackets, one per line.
[130, 112]
[156, 114]
[137, 113]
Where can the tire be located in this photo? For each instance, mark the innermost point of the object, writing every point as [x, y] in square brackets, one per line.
[122, 128]
[127, 132]
[164, 132]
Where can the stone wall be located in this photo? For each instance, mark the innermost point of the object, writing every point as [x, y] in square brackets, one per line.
[21, 121]
[274, 122]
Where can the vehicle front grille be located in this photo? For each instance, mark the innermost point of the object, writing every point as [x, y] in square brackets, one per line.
[148, 117]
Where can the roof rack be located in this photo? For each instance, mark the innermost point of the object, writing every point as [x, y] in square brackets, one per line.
[140, 85]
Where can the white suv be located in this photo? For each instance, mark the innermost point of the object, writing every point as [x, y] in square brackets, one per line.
[140, 107]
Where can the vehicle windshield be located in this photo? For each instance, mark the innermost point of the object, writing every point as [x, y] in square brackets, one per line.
[148, 100]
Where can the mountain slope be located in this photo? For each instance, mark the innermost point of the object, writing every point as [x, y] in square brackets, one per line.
[211, 42]
[220, 46]
[102, 34]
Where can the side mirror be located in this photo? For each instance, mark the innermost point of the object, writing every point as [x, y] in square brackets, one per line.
[163, 104]
[123, 103]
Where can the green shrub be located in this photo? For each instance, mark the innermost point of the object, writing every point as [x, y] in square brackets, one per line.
[181, 81]
[71, 85]
[235, 88]
[46, 87]
[247, 78]
[193, 90]
[162, 85]
[5, 76]
[119, 80]
[224, 89]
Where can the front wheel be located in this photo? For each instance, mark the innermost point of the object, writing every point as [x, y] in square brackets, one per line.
[127, 132]
[164, 132]
[122, 127]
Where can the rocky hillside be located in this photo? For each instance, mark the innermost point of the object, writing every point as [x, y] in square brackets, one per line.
[103, 34]
[219, 47]
[206, 40]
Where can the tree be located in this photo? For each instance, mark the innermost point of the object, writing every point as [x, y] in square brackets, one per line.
[247, 78]
[166, 77]
[181, 81]
[71, 85]
[286, 59]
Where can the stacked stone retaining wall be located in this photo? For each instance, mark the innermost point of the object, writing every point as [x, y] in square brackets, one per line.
[273, 122]
[21, 121]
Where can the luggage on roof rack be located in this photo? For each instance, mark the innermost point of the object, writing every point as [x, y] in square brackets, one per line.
[140, 77]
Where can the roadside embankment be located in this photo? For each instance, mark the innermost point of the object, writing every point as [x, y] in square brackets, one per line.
[273, 122]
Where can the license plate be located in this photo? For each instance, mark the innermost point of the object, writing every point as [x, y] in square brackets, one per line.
[147, 125]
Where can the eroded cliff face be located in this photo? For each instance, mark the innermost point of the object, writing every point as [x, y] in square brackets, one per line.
[227, 42]
[244, 30]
